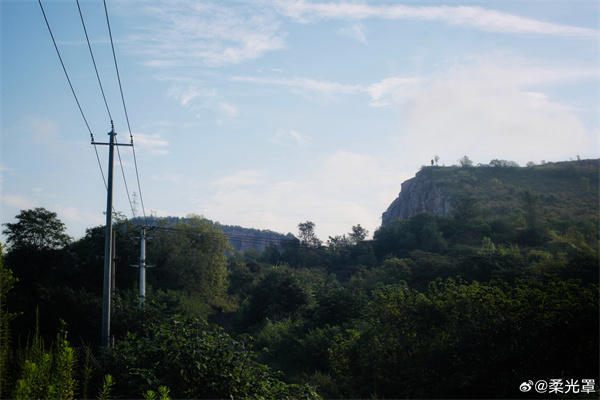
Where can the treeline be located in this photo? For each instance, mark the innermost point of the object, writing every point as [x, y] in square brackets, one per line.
[459, 306]
[468, 305]
[52, 307]
[565, 190]
[242, 239]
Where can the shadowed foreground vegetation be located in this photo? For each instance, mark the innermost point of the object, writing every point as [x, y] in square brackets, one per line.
[467, 305]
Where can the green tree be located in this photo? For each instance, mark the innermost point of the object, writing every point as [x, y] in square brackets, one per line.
[37, 229]
[278, 295]
[535, 232]
[307, 234]
[466, 340]
[465, 162]
[7, 282]
[195, 360]
[190, 256]
[358, 234]
[38, 257]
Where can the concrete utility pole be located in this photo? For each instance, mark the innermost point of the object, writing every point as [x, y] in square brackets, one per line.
[108, 238]
[143, 267]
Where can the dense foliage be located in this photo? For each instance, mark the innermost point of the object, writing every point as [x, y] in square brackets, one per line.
[473, 304]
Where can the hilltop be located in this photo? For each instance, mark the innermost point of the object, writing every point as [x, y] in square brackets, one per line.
[567, 190]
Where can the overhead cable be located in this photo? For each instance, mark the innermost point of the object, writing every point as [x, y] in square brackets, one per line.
[72, 90]
[93, 60]
[125, 110]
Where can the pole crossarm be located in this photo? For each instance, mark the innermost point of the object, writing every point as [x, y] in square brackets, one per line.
[114, 144]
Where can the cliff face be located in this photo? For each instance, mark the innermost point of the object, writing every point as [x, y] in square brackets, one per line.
[419, 194]
[568, 189]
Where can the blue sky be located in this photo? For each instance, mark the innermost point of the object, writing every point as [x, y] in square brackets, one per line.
[266, 114]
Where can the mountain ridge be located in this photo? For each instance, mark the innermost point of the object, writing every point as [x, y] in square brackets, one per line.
[566, 187]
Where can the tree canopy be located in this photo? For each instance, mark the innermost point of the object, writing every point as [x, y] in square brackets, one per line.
[38, 229]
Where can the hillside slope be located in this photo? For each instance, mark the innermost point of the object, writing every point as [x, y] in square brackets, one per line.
[566, 190]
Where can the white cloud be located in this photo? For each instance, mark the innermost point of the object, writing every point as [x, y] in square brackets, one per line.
[346, 169]
[2, 170]
[152, 144]
[342, 190]
[383, 93]
[70, 213]
[303, 85]
[20, 202]
[486, 113]
[292, 138]
[188, 32]
[186, 94]
[240, 178]
[228, 109]
[356, 31]
[472, 17]
[390, 90]
[169, 178]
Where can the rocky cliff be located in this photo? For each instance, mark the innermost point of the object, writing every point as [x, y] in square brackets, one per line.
[568, 189]
[419, 194]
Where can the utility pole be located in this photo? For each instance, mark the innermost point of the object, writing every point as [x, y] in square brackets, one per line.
[143, 267]
[108, 237]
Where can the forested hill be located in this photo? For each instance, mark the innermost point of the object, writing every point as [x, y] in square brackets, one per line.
[565, 190]
[240, 238]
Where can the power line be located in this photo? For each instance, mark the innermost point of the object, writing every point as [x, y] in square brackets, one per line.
[256, 240]
[105, 102]
[73, 90]
[93, 60]
[65, 70]
[125, 110]
[124, 180]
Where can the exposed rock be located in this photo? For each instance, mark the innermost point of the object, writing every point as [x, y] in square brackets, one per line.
[419, 194]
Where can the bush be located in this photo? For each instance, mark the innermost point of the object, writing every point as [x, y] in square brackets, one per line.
[195, 360]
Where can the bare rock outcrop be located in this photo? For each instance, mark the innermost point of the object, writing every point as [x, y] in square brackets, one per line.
[419, 194]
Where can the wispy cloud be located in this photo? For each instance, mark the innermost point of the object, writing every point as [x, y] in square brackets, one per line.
[71, 213]
[188, 33]
[152, 144]
[355, 31]
[292, 138]
[382, 93]
[185, 94]
[17, 201]
[3, 169]
[228, 109]
[472, 17]
[240, 178]
[303, 85]
[386, 91]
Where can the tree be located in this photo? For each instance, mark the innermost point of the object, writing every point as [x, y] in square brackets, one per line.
[7, 282]
[190, 256]
[465, 162]
[37, 229]
[276, 296]
[358, 234]
[465, 340]
[535, 232]
[307, 234]
[196, 360]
